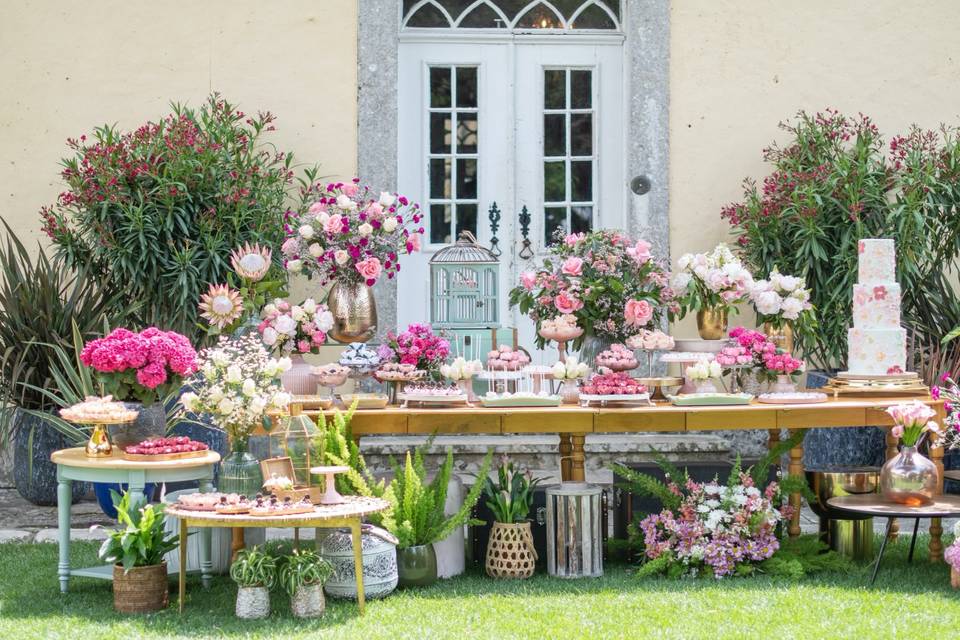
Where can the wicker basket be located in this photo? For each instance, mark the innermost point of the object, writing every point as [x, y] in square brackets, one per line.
[510, 552]
[140, 590]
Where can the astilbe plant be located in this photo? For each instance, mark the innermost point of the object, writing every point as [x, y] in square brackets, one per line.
[155, 212]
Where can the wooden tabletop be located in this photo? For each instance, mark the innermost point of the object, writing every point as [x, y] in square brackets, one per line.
[874, 504]
[353, 507]
[77, 457]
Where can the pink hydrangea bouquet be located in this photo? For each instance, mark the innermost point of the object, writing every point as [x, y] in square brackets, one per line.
[299, 328]
[143, 366]
[418, 345]
[346, 232]
[715, 280]
[610, 283]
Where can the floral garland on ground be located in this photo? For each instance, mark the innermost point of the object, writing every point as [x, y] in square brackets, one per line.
[610, 283]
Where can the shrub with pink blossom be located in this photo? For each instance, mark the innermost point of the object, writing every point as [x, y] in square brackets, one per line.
[143, 366]
[418, 345]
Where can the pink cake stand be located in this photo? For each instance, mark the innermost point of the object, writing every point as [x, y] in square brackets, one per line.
[330, 495]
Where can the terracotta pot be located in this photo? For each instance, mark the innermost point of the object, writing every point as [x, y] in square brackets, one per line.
[354, 312]
[141, 589]
[417, 566]
[308, 601]
[712, 323]
[253, 603]
[909, 478]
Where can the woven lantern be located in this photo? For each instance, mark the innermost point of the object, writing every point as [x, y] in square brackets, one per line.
[464, 286]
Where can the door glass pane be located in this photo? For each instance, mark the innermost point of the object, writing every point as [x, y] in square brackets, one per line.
[581, 219]
[581, 183]
[593, 17]
[581, 91]
[466, 218]
[581, 134]
[554, 181]
[554, 218]
[439, 133]
[466, 132]
[440, 219]
[440, 178]
[466, 179]
[439, 87]
[554, 134]
[467, 87]
[554, 89]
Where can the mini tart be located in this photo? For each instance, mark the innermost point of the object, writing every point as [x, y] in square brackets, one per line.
[228, 507]
[274, 507]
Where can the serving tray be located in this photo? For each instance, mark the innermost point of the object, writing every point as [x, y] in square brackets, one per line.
[586, 399]
[162, 457]
[710, 399]
[524, 401]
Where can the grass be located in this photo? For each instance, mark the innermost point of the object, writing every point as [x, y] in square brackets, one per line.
[908, 601]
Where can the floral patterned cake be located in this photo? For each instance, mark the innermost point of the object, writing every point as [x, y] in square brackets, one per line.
[877, 342]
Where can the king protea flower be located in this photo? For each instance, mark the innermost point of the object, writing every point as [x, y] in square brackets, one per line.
[220, 305]
[251, 262]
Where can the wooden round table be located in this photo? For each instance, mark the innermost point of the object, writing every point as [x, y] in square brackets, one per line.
[347, 514]
[874, 505]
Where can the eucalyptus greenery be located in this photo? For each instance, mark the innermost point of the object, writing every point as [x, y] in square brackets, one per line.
[835, 181]
[141, 540]
[254, 568]
[302, 568]
[155, 212]
[511, 497]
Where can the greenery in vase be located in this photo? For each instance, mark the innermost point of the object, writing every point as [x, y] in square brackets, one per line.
[417, 516]
[835, 181]
[45, 304]
[155, 212]
[142, 540]
[511, 496]
[254, 568]
[303, 568]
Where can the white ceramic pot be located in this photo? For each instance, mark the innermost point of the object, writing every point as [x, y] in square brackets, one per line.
[783, 385]
[379, 553]
[308, 601]
[451, 551]
[253, 603]
[299, 380]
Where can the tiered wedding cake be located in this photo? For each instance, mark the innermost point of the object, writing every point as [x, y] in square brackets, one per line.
[878, 344]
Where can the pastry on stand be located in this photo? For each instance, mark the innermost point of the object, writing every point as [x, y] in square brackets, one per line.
[561, 330]
[617, 358]
[98, 412]
[649, 342]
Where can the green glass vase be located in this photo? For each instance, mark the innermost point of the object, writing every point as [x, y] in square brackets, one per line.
[240, 470]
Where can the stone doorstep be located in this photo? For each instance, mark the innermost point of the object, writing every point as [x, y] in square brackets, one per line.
[15, 535]
[53, 535]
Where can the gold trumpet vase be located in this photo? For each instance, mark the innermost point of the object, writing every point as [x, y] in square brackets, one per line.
[782, 336]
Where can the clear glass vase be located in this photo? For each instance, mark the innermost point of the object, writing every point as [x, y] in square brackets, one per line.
[591, 348]
[909, 478]
[240, 471]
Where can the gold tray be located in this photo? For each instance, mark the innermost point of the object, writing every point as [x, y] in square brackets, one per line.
[870, 385]
[367, 400]
[313, 402]
[162, 457]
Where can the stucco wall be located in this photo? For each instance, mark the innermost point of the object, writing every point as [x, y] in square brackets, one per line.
[69, 66]
[740, 66]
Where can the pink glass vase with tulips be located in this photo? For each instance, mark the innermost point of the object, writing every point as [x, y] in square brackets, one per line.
[910, 477]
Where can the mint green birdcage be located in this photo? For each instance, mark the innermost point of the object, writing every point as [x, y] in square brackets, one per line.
[464, 281]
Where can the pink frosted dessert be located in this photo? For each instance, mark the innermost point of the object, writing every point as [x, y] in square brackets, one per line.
[561, 329]
[617, 358]
[613, 384]
[505, 358]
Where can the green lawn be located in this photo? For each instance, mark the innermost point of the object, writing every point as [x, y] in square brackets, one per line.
[909, 601]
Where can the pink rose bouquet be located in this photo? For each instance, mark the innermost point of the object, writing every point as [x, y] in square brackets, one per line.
[419, 346]
[608, 282]
[299, 328]
[345, 231]
[143, 366]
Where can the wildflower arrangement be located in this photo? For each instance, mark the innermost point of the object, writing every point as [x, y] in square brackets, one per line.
[299, 328]
[346, 232]
[418, 345]
[710, 280]
[461, 369]
[143, 366]
[912, 421]
[570, 369]
[608, 282]
[239, 383]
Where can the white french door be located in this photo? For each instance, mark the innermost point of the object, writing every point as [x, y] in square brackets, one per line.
[520, 123]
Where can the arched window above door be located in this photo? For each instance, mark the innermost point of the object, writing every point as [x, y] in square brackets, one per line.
[557, 15]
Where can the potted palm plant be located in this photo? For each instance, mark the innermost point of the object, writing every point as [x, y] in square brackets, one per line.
[136, 549]
[302, 575]
[417, 519]
[510, 552]
[255, 573]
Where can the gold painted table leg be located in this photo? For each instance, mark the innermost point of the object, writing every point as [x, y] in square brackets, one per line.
[358, 562]
[183, 562]
[237, 543]
[566, 450]
[773, 439]
[795, 469]
[892, 451]
[936, 527]
[577, 459]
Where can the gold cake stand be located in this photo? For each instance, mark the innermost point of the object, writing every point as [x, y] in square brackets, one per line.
[899, 384]
[99, 445]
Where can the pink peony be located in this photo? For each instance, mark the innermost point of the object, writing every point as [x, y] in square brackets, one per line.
[638, 312]
[566, 303]
[303, 346]
[349, 189]
[641, 252]
[529, 280]
[370, 268]
[572, 266]
[289, 247]
[374, 210]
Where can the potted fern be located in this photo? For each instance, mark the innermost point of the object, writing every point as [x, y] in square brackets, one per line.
[255, 573]
[136, 550]
[510, 552]
[302, 576]
[417, 519]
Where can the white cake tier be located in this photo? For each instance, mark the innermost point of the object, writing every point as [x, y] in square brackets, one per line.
[877, 351]
[876, 306]
[877, 261]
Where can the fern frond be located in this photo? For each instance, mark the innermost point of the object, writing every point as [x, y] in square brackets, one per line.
[761, 471]
[647, 485]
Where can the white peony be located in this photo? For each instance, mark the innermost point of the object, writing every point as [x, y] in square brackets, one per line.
[790, 283]
[768, 303]
[341, 256]
[322, 218]
[701, 271]
[389, 224]
[387, 199]
[284, 364]
[189, 400]
[680, 281]
[285, 324]
[323, 321]
[249, 387]
[315, 250]
[306, 231]
[759, 286]
[294, 266]
[309, 305]
[270, 336]
[791, 308]
[225, 406]
[776, 281]
[268, 310]
[365, 229]
[234, 374]
[257, 405]
[684, 261]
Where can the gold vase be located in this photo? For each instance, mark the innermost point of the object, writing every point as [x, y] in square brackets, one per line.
[712, 323]
[354, 312]
[782, 336]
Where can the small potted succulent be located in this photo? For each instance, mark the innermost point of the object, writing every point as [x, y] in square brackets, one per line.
[136, 550]
[302, 575]
[510, 552]
[255, 573]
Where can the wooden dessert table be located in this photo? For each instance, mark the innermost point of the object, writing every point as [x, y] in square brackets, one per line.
[573, 423]
[73, 464]
[347, 515]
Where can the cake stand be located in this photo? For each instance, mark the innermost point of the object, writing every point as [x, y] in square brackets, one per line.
[657, 385]
[684, 358]
[561, 339]
[696, 344]
[99, 446]
[330, 495]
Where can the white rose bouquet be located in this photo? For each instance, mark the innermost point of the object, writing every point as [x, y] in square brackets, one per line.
[704, 370]
[299, 328]
[710, 280]
[780, 299]
[461, 369]
[570, 369]
[238, 382]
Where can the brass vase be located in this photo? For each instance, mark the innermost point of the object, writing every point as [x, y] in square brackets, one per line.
[712, 323]
[782, 336]
[354, 312]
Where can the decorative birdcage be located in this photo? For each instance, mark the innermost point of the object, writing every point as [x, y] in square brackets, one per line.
[297, 438]
[464, 286]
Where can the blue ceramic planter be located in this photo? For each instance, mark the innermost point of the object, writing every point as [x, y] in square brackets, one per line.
[102, 491]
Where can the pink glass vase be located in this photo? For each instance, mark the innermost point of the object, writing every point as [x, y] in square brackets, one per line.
[909, 478]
